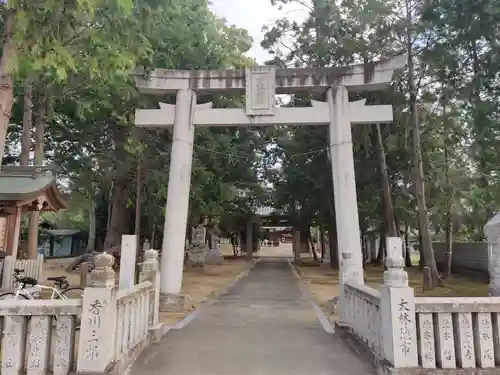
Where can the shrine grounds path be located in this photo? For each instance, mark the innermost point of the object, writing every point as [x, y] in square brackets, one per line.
[264, 325]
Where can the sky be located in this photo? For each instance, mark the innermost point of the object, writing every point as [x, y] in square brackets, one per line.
[252, 15]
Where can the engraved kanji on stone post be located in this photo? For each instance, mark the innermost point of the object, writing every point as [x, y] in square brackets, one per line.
[97, 341]
[397, 309]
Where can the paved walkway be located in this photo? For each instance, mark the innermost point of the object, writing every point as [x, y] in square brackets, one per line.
[262, 326]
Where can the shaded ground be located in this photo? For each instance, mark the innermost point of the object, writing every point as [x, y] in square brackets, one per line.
[202, 283]
[322, 282]
[198, 283]
[262, 326]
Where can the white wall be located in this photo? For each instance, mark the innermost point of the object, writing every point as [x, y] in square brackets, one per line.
[466, 256]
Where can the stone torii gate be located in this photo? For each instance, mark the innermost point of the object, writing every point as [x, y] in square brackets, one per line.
[260, 84]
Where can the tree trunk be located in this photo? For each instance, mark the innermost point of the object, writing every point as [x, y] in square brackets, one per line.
[322, 240]
[110, 206]
[153, 232]
[41, 118]
[407, 247]
[449, 207]
[189, 233]
[6, 84]
[431, 277]
[381, 248]
[364, 249]
[421, 263]
[118, 218]
[26, 147]
[92, 227]
[296, 243]
[138, 190]
[389, 217]
[304, 238]
[27, 123]
[333, 245]
[449, 243]
[41, 111]
[313, 249]
[249, 235]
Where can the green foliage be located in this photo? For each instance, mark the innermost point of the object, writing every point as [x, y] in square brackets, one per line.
[81, 58]
[456, 52]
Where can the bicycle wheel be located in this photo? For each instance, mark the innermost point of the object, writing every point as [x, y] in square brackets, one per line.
[5, 296]
[71, 293]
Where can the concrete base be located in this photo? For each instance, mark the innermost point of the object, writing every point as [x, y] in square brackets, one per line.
[156, 333]
[333, 303]
[214, 256]
[384, 368]
[197, 257]
[172, 302]
[422, 371]
[112, 369]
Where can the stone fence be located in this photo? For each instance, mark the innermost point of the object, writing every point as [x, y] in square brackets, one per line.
[466, 258]
[401, 331]
[362, 315]
[458, 332]
[41, 336]
[38, 335]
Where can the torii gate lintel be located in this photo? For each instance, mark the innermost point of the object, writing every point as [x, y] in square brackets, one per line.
[317, 114]
[373, 76]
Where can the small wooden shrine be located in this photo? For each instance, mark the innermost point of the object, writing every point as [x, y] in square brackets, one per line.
[25, 189]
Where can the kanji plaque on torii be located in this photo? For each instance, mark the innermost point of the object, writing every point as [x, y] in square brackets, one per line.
[260, 90]
[260, 84]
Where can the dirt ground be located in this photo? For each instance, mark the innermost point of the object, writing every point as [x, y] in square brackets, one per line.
[322, 282]
[57, 267]
[198, 283]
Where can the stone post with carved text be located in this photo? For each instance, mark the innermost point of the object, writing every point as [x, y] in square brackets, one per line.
[97, 340]
[397, 308]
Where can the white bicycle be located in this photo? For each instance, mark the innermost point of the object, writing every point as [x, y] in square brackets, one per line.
[27, 288]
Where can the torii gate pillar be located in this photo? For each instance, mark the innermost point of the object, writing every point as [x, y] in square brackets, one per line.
[344, 186]
[176, 212]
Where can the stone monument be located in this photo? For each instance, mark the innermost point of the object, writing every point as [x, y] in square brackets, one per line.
[128, 261]
[198, 251]
[492, 232]
[214, 256]
[146, 245]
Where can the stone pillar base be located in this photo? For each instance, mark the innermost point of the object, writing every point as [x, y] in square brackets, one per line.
[214, 256]
[197, 257]
[173, 302]
[156, 332]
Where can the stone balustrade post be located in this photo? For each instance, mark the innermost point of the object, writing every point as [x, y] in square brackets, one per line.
[150, 271]
[397, 308]
[96, 345]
